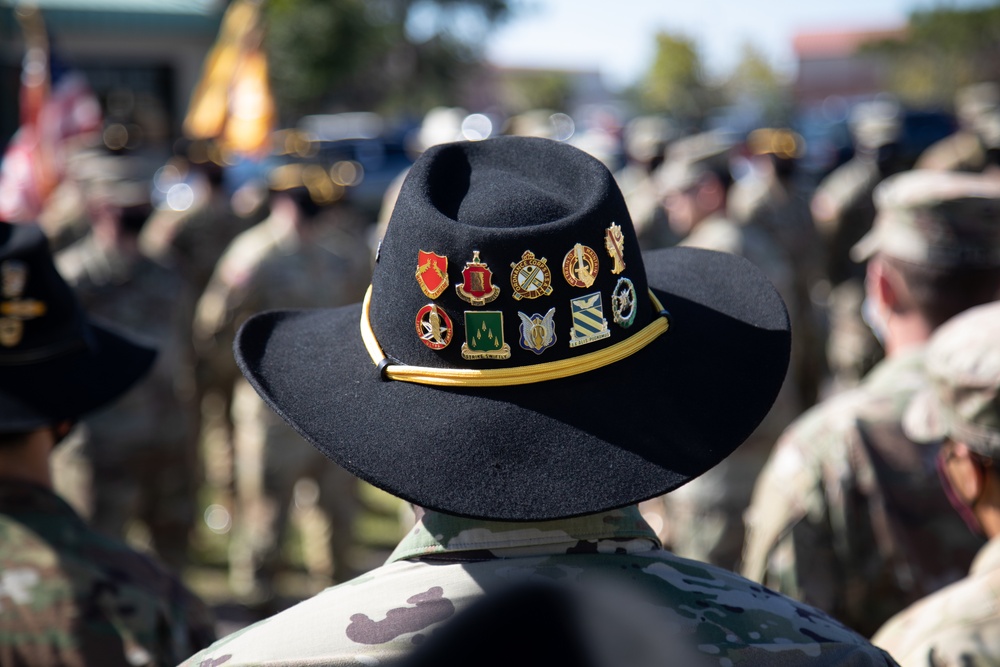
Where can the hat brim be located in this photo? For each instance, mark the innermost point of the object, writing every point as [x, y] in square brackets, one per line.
[924, 420]
[595, 441]
[70, 385]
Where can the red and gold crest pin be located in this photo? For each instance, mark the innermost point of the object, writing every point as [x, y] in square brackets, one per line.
[432, 273]
[580, 266]
[434, 327]
[614, 242]
[478, 288]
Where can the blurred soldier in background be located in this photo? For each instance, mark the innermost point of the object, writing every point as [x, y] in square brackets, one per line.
[960, 411]
[309, 252]
[69, 595]
[646, 141]
[704, 519]
[843, 212]
[848, 514]
[976, 146]
[141, 451]
[769, 199]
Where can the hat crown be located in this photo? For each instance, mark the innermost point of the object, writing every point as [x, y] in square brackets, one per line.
[501, 220]
[39, 315]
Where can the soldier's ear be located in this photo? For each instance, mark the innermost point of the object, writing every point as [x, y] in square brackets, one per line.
[880, 287]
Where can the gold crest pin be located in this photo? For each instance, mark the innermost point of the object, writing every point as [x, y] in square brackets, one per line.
[530, 277]
[13, 309]
[614, 242]
[580, 266]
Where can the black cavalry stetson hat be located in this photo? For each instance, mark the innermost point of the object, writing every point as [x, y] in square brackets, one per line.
[54, 363]
[514, 358]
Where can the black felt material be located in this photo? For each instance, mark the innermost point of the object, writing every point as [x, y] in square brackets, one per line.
[63, 366]
[591, 442]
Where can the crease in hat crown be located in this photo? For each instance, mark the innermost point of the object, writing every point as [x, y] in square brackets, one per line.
[489, 205]
[935, 218]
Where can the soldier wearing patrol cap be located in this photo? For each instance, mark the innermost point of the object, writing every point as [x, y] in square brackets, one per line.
[704, 520]
[960, 624]
[139, 454]
[843, 211]
[69, 595]
[848, 515]
[307, 253]
[976, 145]
[513, 371]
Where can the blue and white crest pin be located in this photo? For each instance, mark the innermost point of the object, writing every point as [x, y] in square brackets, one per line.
[538, 333]
[589, 324]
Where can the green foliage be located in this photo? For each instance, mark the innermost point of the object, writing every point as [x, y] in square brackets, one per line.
[944, 49]
[344, 55]
[754, 81]
[675, 82]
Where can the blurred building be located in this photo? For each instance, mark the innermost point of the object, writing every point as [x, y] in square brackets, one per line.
[141, 57]
[832, 63]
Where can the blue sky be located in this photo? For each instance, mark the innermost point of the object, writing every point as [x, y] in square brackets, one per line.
[617, 36]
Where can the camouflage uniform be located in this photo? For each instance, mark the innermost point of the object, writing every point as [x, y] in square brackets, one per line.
[447, 563]
[960, 624]
[269, 266]
[848, 514]
[69, 596]
[704, 518]
[141, 450]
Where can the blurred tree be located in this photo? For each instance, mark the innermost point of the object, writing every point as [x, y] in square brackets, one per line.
[945, 48]
[753, 82]
[675, 82]
[388, 55]
[526, 90]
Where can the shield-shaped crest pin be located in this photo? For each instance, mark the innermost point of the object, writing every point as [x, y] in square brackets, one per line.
[432, 273]
[477, 288]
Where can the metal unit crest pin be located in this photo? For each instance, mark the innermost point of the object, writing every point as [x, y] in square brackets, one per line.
[538, 333]
[530, 277]
[623, 303]
[434, 327]
[589, 324]
[614, 242]
[13, 309]
[478, 288]
[580, 266]
[432, 273]
[484, 335]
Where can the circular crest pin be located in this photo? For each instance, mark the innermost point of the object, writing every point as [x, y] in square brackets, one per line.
[434, 327]
[530, 277]
[623, 303]
[580, 266]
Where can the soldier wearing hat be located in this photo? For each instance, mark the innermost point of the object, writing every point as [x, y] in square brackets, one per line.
[704, 520]
[69, 595]
[848, 514]
[513, 372]
[307, 253]
[960, 411]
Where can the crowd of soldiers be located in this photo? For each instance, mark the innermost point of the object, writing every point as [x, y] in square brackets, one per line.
[853, 491]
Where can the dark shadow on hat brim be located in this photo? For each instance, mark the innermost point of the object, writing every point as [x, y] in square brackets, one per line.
[73, 384]
[599, 440]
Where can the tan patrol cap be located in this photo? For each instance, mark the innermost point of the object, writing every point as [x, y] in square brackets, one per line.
[935, 218]
[690, 158]
[963, 400]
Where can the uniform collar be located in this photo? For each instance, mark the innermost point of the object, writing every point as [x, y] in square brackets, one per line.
[988, 558]
[437, 535]
[19, 496]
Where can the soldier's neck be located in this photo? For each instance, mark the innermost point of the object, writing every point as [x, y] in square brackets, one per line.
[905, 332]
[29, 461]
